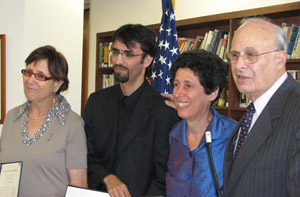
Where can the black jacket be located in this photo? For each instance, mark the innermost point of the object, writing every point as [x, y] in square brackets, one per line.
[143, 153]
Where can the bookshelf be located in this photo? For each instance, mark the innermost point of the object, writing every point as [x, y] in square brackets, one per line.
[190, 28]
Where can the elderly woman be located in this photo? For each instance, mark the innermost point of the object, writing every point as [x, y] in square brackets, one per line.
[198, 78]
[44, 132]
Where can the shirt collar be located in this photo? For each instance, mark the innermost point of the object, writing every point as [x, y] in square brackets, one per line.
[134, 97]
[179, 132]
[60, 110]
[262, 101]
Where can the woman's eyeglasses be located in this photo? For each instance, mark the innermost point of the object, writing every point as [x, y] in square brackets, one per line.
[38, 76]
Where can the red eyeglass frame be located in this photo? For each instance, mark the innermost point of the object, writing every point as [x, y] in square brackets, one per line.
[32, 73]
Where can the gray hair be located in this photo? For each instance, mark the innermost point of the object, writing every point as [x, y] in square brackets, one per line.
[280, 34]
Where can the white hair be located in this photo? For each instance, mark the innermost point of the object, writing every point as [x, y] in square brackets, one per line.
[280, 35]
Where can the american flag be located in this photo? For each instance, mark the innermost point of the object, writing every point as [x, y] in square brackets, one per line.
[167, 44]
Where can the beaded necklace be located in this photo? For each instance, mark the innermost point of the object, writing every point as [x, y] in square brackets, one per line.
[33, 118]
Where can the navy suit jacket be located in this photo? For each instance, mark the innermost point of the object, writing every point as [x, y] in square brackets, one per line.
[143, 153]
[268, 163]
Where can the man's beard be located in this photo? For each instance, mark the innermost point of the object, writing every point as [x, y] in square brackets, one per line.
[119, 78]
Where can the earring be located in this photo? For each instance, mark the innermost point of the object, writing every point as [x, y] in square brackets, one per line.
[54, 98]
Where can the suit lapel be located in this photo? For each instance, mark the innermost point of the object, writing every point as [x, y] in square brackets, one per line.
[138, 117]
[229, 153]
[260, 132]
[256, 138]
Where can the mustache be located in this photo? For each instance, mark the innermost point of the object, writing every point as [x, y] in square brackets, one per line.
[240, 72]
[120, 66]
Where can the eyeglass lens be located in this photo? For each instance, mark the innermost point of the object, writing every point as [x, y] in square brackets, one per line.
[248, 57]
[124, 54]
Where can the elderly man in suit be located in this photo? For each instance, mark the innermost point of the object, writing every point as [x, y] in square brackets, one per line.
[127, 125]
[264, 160]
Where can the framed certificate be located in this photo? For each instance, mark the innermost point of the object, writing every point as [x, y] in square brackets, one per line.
[10, 176]
[73, 191]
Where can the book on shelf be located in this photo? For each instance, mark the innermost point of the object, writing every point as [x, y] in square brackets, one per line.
[287, 28]
[222, 100]
[181, 43]
[284, 24]
[210, 35]
[296, 50]
[185, 44]
[197, 42]
[223, 97]
[227, 96]
[202, 45]
[295, 74]
[188, 44]
[223, 46]
[213, 40]
[104, 55]
[244, 101]
[293, 36]
[294, 32]
[110, 46]
[108, 80]
[100, 54]
[218, 35]
[226, 50]
[191, 45]
[219, 47]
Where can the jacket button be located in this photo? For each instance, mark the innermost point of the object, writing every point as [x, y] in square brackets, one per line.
[187, 176]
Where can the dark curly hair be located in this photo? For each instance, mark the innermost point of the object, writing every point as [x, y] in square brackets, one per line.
[210, 69]
[57, 64]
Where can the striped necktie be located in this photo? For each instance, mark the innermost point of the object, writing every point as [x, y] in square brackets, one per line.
[245, 125]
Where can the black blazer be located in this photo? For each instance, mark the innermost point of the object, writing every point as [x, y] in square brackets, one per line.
[268, 163]
[143, 154]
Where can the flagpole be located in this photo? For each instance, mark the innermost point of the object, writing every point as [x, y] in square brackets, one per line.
[173, 3]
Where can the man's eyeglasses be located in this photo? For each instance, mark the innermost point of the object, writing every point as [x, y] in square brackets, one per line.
[38, 76]
[250, 57]
[124, 54]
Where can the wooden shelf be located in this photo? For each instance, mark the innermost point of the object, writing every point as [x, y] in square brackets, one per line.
[289, 13]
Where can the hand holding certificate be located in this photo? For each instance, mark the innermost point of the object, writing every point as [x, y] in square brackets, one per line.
[10, 174]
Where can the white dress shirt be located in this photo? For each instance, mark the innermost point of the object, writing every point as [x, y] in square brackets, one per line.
[261, 102]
